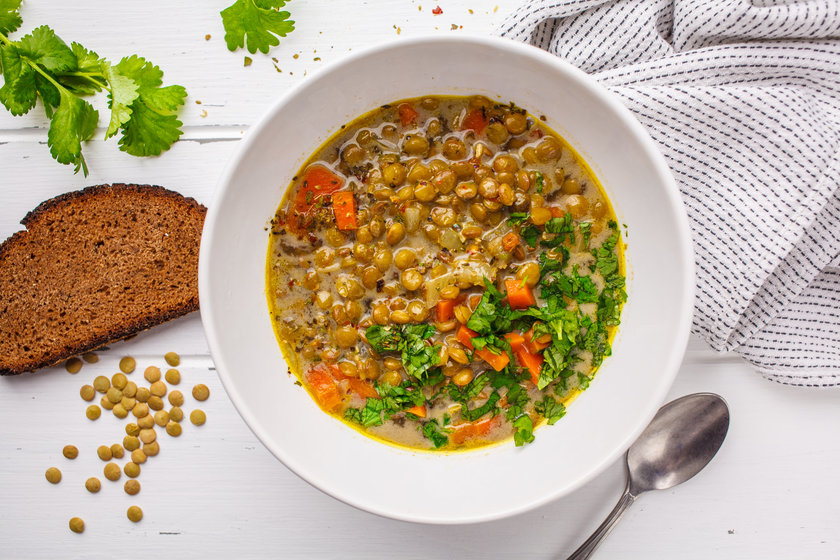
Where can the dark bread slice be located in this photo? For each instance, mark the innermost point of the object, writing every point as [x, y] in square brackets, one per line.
[94, 266]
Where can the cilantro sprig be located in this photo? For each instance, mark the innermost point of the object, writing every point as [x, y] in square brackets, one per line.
[41, 65]
[256, 23]
[418, 358]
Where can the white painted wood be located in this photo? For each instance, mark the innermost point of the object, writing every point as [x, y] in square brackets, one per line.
[215, 492]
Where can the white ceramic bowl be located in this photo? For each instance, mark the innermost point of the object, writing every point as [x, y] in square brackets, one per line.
[469, 486]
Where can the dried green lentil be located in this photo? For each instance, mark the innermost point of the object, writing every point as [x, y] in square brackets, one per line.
[114, 395]
[106, 404]
[198, 417]
[143, 394]
[93, 485]
[157, 389]
[137, 456]
[131, 487]
[176, 398]
[112, 472]
[73, 365]
[152, 374]
[173, 429]
[151, 449]
[119, 381]
[130, 443]
[117, 451]
[155, 403]
[148, 436]
[120, 411]
[132, 429]
[127, 364]
[104, 452]
[172, 359]
[140, 410]
[53, 475]
[93, 412]
[130, 389]
[161, 418]
[146, 422]
[77, 525]
[87, 392]
[128, 402]
[90, 357]
[200, 392]
[70, 451]
[176, 414]
[134, 514]
[131, 470]
[173, 376]
[101, 383]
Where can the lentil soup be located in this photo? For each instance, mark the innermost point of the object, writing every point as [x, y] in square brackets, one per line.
[444, 273]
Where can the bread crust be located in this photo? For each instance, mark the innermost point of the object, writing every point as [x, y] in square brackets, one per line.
[188, 300]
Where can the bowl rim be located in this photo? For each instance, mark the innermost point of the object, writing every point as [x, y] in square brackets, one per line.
[633, 126]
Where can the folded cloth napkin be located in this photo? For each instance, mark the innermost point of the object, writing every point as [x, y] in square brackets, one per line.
[743, 98]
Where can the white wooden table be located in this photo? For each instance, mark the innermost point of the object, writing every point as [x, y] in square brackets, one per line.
[772, 491]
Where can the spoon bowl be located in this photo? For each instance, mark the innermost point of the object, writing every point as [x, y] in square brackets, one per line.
[680, 440]
[678, 443]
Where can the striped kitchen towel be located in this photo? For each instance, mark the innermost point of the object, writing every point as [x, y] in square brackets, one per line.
[743, 98]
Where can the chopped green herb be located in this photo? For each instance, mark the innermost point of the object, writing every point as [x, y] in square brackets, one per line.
[517, 218]
[433, 433]
[257, 22]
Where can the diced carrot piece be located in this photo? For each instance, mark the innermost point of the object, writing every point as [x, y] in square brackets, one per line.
[531, 362]
[323, 388]
[557, 212]
[344, 208]
[519, 294]
[408, 114]
[469, 430]
[464, 336]
[363, 388]
[418, 410]
[510, 242]
[444, 310]
[536, 346]
[318, 181]
[475, 120]
[496, 361]
[515, 340]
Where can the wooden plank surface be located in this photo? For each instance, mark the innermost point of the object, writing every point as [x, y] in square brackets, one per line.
[215, 492]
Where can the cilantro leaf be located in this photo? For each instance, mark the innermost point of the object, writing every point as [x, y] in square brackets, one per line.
[153, 126]
[73, 122]
[418, 358]
[550, 409]
[43, 47]
[524, 430]
[517, 218]
[20, 91]
[432, 432]
[259, 22]
[586, 231]
[530, 234]
[122, 95]
[10, 18]
[540, 182]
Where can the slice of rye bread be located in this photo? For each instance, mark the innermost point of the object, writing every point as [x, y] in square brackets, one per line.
[94, 266]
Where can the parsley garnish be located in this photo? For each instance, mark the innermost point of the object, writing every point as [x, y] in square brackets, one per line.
[530, 234]
[517, 218]
[540, 182]
[257, 22]
[418, 358]
[41, 65]
[433, 432]
[550, 409]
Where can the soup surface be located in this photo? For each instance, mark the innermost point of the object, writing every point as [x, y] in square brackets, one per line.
[445, 272]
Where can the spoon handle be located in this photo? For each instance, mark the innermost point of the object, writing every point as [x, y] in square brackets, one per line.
[587, 548]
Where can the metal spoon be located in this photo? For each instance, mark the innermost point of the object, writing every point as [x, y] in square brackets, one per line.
[680, 440]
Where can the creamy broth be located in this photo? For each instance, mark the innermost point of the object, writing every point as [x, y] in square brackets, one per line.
[445, 272]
